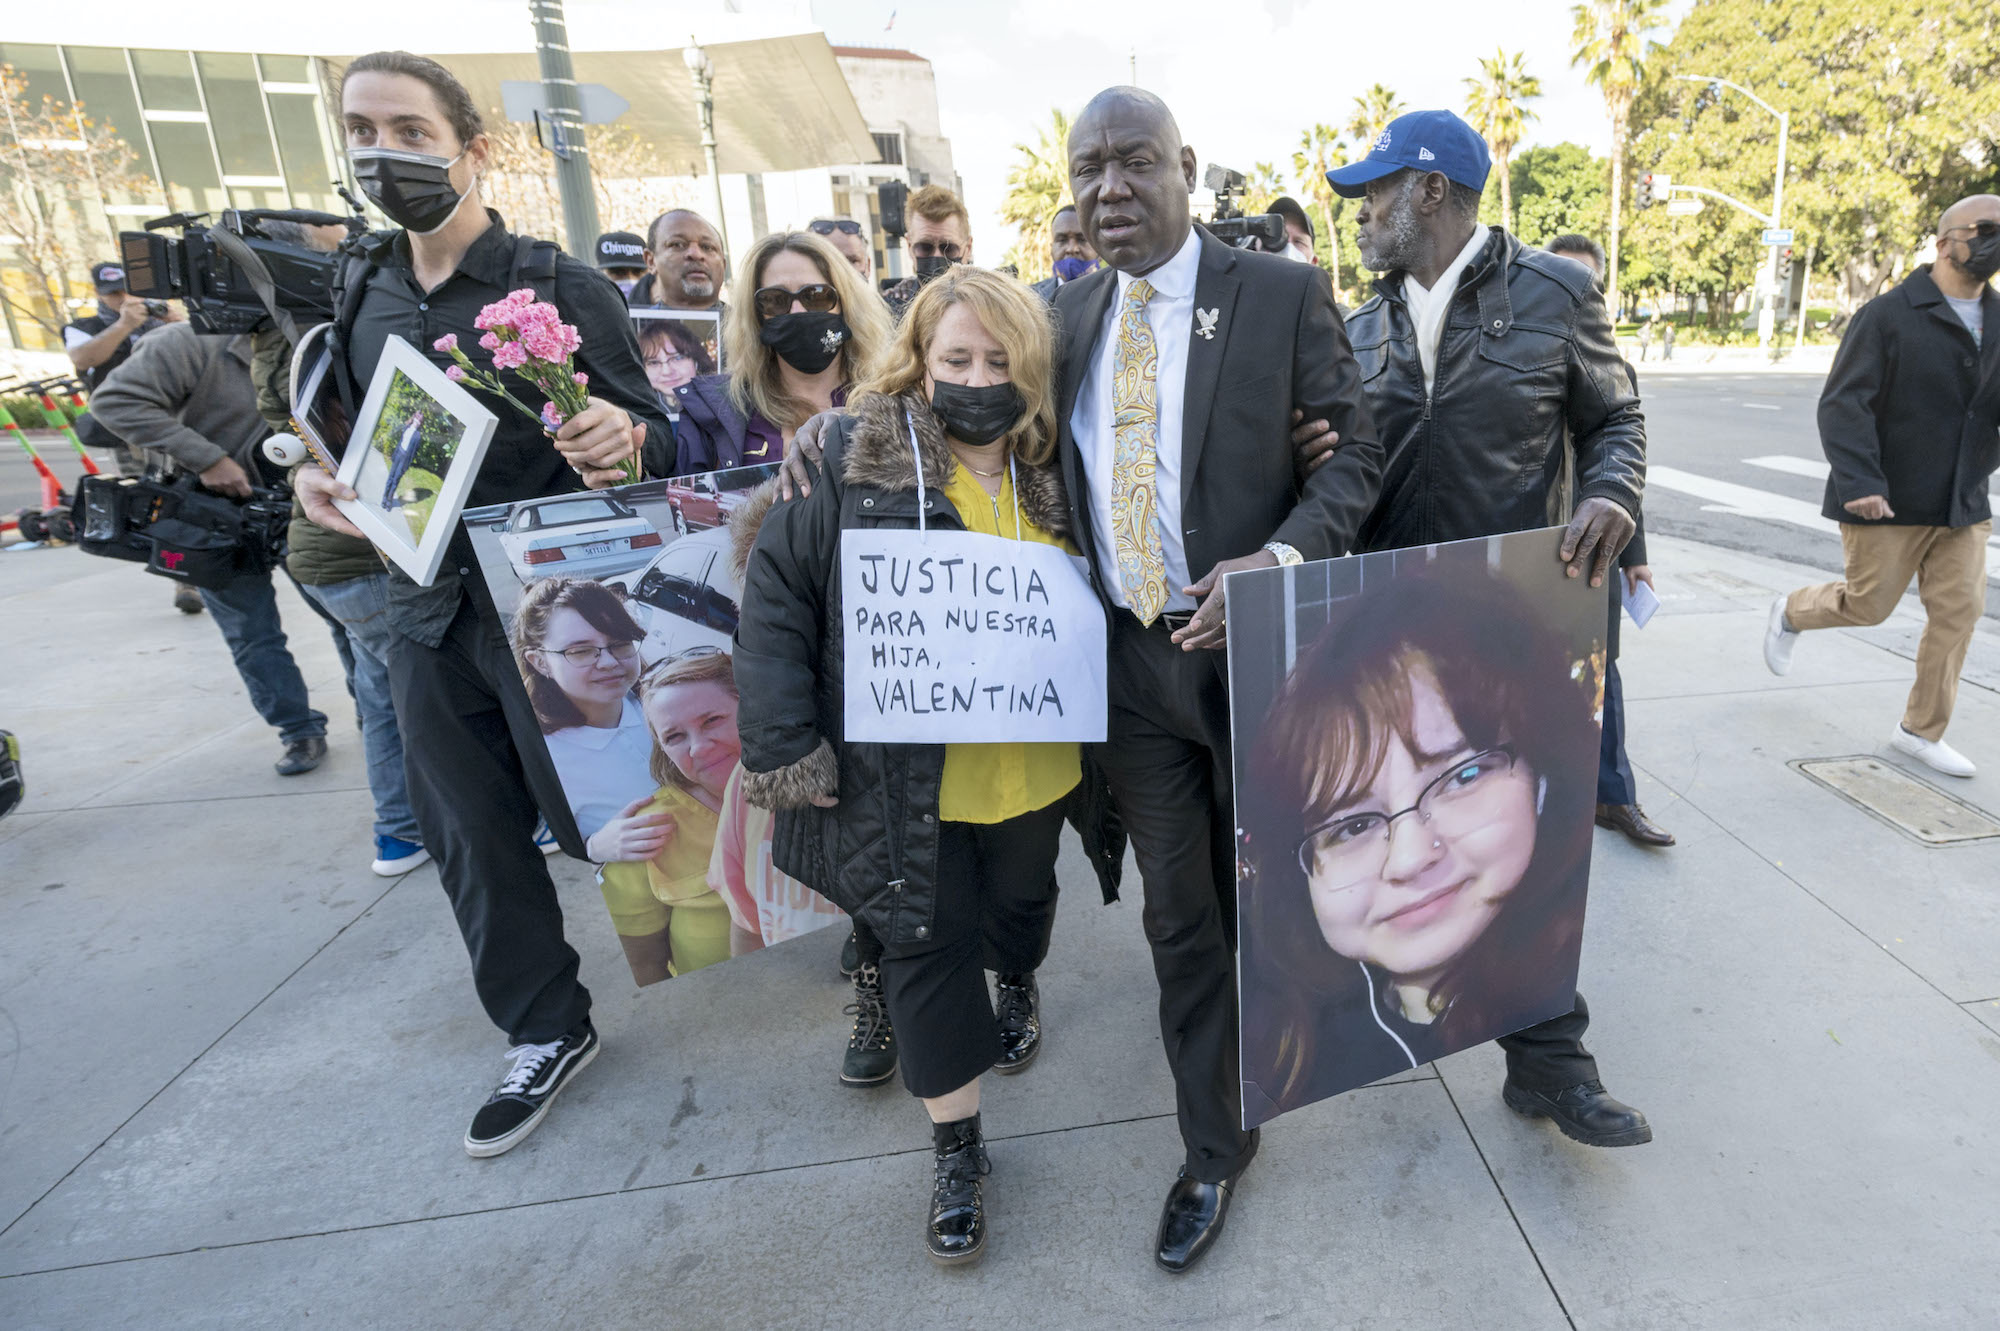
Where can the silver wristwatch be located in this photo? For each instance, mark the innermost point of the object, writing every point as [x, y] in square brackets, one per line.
[1284, 554]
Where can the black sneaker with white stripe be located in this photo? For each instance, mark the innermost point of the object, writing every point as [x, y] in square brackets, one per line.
[540, 1071]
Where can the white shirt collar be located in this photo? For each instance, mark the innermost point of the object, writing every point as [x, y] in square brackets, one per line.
[1175, 277]
[1448, 280]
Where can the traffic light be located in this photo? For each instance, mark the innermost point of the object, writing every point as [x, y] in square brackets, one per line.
[1645, 199]
[1785, 267]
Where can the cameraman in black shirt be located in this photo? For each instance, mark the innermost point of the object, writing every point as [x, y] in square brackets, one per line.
[418, 146]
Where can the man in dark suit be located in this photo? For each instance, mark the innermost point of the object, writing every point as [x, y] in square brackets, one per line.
[1069, 252]
[1182, 364]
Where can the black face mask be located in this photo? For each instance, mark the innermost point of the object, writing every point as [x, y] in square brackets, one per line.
[413, 190]
[929, 266]
[1982, 256]
[806, 342]
[977, 415]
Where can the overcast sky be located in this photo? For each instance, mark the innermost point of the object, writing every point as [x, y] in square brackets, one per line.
[1244, 78]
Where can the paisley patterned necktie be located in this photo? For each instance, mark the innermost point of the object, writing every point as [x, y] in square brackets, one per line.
[1135, 434]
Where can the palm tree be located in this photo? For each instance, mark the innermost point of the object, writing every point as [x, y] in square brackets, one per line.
[1371, 114]
[1496, 104]
[1261, 187]
[1037, 185]
[1319, 151]
[1611, 40]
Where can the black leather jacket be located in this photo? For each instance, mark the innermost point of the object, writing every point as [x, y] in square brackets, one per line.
[1527, 380]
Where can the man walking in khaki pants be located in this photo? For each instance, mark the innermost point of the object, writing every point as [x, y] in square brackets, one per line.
[1910, 421]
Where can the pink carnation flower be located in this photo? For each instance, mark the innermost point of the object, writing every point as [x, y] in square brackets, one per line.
[550, 342]
[490, 342]
[580, 379]
[550, 416]
[510, 356]
[455, 373]
[447, 343]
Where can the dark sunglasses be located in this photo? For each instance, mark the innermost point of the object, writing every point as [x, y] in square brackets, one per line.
[823, 227]
[1985, 229]
[817, 297]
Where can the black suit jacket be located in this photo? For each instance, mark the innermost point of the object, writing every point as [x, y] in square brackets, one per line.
[1278, 344]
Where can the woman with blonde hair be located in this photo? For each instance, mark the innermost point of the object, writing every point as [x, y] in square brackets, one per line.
[946, 852]
[689, 702]
[802, 327]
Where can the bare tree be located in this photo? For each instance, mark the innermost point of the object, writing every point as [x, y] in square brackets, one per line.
[56, 163]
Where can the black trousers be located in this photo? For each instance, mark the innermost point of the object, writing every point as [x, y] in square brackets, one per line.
[996, 904]
[1551, 1057]
[1167, 756]
[476, 797]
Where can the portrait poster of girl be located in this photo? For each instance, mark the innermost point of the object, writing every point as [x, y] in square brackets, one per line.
[1416, 756]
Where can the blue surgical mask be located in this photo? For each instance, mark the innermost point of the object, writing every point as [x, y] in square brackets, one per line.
[1071, 269]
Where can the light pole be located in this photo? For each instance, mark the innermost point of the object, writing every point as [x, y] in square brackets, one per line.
[1767, 317]
[572, 149]
[703, 70]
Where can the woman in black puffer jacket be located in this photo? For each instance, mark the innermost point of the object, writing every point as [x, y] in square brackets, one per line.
[946, 851]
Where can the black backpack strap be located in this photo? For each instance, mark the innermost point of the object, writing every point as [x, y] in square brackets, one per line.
[534, 267]
[356, 266]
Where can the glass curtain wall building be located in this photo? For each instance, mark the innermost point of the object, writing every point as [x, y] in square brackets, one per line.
[210, 129]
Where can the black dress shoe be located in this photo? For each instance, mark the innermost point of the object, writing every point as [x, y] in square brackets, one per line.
[956, 1231]
[1586, 1113]
[1191, 1220]
[1633, 822]
[1018, 1009]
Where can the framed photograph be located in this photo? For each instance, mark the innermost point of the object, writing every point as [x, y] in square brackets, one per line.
[317, 410]
[1416, 737]
[677, 347]
[411, 458]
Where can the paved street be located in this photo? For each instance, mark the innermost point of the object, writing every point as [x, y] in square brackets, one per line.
[1733, 458]
[235, 1066]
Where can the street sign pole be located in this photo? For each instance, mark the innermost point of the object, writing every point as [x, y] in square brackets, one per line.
[573, 149]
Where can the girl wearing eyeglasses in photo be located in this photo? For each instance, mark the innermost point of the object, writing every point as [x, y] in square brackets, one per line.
[801, 327]
[673, 357]
[1418, 815]
[577, 648]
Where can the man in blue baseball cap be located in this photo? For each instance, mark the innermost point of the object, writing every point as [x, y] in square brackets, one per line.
[1490, 369]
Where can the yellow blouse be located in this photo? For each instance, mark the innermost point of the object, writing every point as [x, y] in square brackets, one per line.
[678, 875]
[990, 783]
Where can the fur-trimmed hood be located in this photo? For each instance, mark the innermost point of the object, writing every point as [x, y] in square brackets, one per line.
[878, 456]
[745, 520]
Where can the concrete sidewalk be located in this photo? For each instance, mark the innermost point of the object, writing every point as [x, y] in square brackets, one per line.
[235, 1067]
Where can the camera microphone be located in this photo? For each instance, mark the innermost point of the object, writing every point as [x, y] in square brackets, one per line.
[286, 450]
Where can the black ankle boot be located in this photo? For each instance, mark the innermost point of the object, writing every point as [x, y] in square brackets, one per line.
[957, 1228]
[871, 1049]
[1018, 1010]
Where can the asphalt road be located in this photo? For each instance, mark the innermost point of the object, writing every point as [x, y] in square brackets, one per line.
[1734, 460]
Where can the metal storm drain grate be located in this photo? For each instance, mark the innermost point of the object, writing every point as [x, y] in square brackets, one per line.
[1910, 806]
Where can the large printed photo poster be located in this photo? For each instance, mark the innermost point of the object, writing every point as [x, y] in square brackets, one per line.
[620, 606]
[1416, 736]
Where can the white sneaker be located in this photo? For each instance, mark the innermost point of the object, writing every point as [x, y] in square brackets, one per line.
[1932, 753]
[1778, 639]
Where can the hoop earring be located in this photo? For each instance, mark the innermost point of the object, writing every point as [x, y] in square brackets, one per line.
[1541, 794]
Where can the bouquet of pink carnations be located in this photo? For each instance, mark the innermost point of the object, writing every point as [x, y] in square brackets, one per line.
[528, 336]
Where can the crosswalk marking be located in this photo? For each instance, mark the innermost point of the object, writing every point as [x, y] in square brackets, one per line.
[1813, 468]
[1741, 500]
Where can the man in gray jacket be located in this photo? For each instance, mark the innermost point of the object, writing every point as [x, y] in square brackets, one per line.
[189, 398]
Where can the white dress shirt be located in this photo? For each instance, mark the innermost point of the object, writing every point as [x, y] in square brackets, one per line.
[1171, 314]
[1429, 308]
